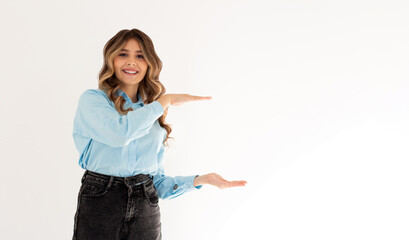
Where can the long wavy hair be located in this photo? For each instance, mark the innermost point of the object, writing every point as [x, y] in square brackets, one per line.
[150, 88]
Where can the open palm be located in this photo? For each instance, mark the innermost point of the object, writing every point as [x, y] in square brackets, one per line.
[218, 181]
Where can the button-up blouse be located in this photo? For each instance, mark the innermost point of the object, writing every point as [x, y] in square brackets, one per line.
[124, 145]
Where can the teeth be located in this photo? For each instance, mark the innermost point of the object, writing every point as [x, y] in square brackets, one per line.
[129, 71]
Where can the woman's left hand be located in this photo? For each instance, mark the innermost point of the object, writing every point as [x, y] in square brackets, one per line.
[217, 180]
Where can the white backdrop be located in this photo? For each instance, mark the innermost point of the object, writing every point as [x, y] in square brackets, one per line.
[310, 106]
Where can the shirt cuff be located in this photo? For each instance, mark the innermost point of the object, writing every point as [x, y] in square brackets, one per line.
[187, 184]
[157, 108]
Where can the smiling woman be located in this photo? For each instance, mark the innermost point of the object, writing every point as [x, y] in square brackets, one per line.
[120, 134]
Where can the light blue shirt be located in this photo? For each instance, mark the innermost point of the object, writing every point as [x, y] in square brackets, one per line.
[125, 145]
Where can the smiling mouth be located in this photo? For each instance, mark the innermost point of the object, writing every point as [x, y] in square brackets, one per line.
[130, 72]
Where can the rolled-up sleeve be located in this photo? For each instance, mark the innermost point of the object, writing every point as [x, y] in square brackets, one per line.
[97, 119]
[172, 187]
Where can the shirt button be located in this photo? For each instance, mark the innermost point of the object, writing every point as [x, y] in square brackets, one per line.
[175, 187]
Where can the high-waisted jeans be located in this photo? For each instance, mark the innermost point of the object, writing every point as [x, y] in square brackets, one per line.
[117, 208]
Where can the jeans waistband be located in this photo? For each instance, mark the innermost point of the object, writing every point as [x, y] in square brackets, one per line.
[129, 181]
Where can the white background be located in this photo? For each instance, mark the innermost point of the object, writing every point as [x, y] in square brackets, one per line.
[310, 107]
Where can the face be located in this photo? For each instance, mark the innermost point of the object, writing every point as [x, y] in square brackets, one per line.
[130, 59]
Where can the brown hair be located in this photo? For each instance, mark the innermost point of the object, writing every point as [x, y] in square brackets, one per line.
[150, 88]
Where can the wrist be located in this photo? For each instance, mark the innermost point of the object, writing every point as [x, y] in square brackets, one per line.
[165, 101]
[199, 180]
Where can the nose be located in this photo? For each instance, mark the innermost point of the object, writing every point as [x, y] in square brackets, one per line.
[131, 63]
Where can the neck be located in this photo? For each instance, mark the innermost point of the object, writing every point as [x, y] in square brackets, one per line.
[131, 91]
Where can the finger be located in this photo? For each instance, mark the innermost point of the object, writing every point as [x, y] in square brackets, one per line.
[240, 182]
[202, 98]
[237, 183]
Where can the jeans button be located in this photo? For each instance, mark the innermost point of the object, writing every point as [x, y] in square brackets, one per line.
[175, 187]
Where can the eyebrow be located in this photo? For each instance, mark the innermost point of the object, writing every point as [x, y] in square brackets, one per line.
[128, 51]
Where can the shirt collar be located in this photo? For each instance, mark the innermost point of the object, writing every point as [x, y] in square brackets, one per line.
[128, 100]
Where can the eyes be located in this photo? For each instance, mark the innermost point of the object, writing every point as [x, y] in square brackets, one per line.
[124, 55]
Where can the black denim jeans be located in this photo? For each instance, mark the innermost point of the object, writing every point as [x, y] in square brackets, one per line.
[117, 208]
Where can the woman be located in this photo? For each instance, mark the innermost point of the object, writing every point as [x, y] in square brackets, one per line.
[120, 133]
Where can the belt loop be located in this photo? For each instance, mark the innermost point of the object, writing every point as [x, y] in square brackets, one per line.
[83, 176]
[111, 180]
[144, 190]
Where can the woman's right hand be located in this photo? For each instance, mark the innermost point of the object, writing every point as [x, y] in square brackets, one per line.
[179, 99]
[217, 181]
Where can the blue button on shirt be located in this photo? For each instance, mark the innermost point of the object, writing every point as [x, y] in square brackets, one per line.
[125, 145]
